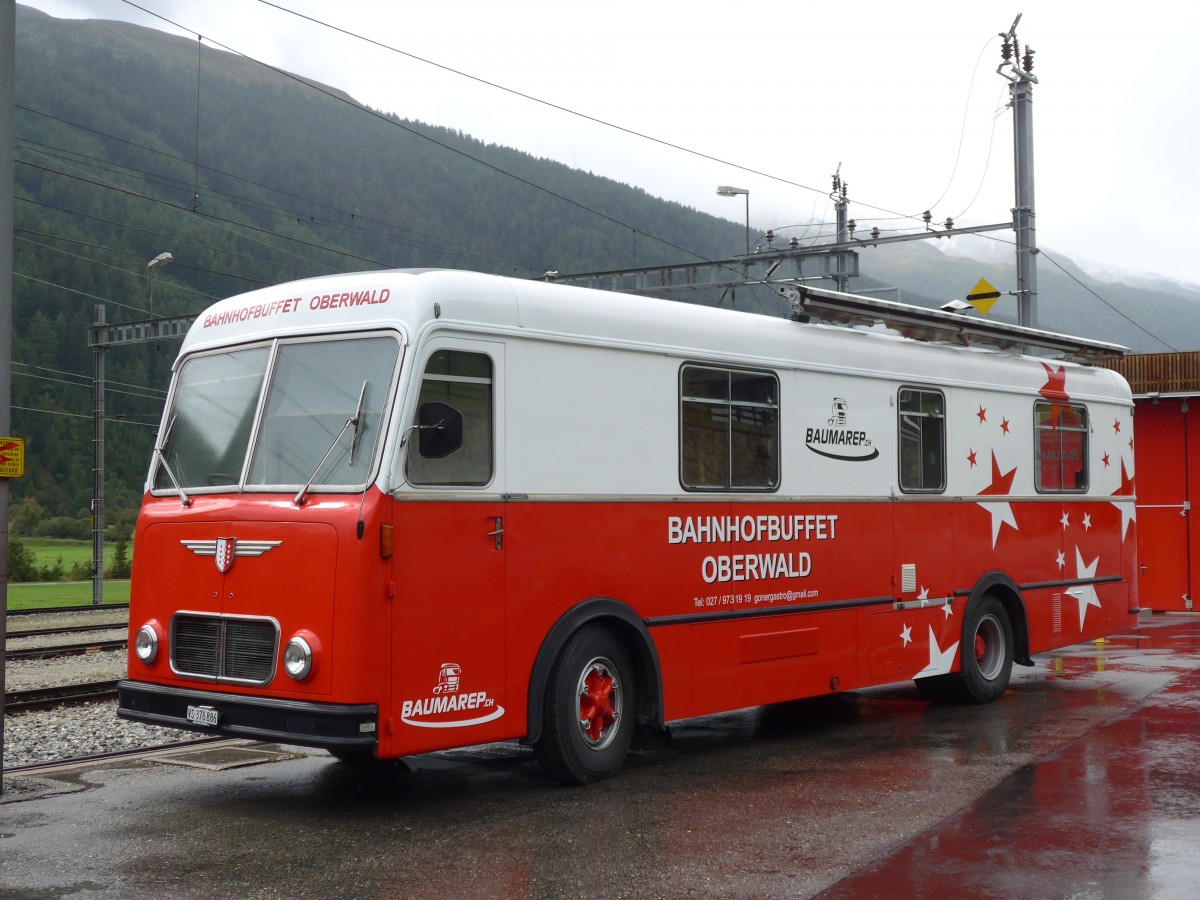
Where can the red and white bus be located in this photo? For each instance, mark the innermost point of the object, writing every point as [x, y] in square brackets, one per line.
[399, 512]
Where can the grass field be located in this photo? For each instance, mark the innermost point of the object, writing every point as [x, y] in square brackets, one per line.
[48, 550]
[41, 594]
[36, 594]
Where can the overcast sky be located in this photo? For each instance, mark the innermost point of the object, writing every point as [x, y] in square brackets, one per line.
[904, 96]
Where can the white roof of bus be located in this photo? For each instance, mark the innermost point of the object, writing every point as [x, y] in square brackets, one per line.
[405, 300]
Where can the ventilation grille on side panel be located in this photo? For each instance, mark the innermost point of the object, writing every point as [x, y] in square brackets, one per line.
[224, 648]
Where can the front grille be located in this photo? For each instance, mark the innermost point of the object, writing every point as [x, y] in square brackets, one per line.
[224, 648]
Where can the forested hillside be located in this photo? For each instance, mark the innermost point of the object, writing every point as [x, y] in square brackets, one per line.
[131, 143]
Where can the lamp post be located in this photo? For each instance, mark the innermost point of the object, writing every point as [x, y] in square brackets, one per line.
[161, 260]
[727, 191]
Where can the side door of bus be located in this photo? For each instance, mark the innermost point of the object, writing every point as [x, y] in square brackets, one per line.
[449, 564]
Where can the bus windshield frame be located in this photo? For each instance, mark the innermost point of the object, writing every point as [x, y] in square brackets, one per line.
[272, 416]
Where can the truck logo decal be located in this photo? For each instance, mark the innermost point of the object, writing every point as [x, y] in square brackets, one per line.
[225, 550]
[450, 707]
[837, 440]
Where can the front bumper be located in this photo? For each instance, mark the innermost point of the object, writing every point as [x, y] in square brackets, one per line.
[333, 726]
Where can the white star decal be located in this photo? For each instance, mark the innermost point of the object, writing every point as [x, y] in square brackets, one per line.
[1066, 521]
[1085, 593]
[1087, 521]
[906, 635]
[1128, 514]
[948, 609]
[924, 596]
[940, 661]
[1002, 514]
[1062, 560]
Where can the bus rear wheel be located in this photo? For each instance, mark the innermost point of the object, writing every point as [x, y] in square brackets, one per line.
[987, 654]
[589, 711]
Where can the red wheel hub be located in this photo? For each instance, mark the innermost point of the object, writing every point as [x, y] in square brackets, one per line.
[596, 711]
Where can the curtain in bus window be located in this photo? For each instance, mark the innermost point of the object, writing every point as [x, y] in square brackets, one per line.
[314, 390]
[464, 381]
[211, 418]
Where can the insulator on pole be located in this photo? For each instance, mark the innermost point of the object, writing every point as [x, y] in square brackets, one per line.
[1006, 49]
[1027, 60]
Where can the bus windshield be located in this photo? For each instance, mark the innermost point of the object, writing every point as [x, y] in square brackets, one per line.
[319, 421]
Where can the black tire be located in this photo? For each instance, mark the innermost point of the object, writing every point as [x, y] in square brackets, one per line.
[987, 654]
[589, 712]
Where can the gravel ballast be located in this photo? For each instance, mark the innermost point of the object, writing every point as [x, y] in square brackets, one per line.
[70, 731]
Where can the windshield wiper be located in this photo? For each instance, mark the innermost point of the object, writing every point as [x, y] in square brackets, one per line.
[162, 461]
[353, 420]
[362, 395]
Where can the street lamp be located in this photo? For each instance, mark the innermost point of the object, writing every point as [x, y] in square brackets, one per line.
[727, 191]
[161, 260]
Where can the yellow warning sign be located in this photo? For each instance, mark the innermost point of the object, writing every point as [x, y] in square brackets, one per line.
[983, 296]
[12, 457]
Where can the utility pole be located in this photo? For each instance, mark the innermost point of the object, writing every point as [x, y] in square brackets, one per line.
[102, 336]
[8, 79]
[841, 205]
[1018, 70]
[99, 351]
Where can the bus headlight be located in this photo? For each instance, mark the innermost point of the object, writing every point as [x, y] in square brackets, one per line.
[298, 658]
[145, 643]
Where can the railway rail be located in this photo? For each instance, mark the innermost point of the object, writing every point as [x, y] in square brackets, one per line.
[77, 649]
[59, 695]
[69, 629]
[51, 610]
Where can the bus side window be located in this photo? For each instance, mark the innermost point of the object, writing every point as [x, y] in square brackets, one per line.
[1061, 451]
[463, 381]
[728, 429]
[922, 441]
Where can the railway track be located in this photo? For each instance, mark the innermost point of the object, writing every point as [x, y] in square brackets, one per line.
[70, 629]
[60, 695]
[51, 610]
[78, 649]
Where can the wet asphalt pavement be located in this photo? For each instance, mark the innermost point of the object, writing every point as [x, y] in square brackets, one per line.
[1081, 782]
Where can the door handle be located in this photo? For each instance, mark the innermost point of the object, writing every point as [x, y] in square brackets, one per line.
[498, 534]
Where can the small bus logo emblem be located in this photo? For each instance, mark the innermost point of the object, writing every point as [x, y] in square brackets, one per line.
[226, 552]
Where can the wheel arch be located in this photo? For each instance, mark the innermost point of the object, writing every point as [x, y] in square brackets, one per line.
[630, 629]
[1004, 589]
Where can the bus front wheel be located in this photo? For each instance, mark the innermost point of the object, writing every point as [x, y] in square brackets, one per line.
[987, 654]
[589, 711]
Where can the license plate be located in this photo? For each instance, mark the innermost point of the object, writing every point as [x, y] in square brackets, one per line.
[203, 715]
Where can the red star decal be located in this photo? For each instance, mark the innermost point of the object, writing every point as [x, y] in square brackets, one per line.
[982, 414]
[971, 458]
[1106, 460]
[1131, 443]
[1117, 425]
[1126, 488]
[1001, 484]
[1055, 387]
[1004, 426]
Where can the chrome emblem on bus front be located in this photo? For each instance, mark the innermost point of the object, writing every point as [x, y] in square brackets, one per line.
[226, 550]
